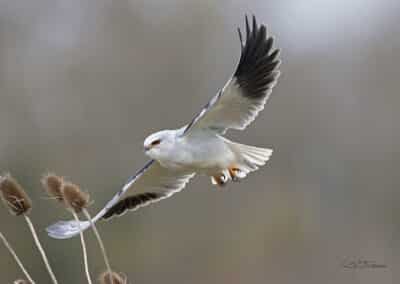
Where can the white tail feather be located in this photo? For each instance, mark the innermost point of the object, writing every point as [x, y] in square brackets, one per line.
[250, 158]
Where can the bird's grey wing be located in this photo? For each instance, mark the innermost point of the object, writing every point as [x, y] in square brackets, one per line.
[155, 184]
[245, 94]
[150, 184]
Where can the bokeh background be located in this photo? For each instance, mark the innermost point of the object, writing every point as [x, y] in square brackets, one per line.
[82, 83]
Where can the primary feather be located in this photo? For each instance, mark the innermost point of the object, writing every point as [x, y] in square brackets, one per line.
[245, 94]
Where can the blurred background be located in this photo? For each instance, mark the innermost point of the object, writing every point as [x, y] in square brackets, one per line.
[82, 83]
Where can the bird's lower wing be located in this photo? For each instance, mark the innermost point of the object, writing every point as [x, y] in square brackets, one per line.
[155, 184]
[150, 184]
[245, 94]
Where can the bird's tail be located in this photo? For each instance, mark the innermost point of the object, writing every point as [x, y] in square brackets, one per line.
[248, 159]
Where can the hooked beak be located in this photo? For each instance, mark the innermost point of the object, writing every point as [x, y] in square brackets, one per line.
[147, 148]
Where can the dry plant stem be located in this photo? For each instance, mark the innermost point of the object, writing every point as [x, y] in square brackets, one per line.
[85, 257]
[11, 250]
[103, 249]
[41, 250]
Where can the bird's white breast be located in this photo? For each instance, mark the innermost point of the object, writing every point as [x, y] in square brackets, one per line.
[203, 151]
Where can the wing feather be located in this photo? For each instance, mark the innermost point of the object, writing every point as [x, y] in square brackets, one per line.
[154, 184]
[245, 94]
[150, 184]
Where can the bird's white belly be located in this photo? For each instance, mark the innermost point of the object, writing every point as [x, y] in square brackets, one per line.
[204, 153]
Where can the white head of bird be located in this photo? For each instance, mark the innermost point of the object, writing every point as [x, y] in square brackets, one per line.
[159, 144]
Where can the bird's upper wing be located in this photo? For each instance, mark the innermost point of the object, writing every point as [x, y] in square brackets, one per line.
[245, 94]
[150, 184]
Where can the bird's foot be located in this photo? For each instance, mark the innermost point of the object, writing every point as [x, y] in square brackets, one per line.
[219, 180]
[232, 173]
[236, 174]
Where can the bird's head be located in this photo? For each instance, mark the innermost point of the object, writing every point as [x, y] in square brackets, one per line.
[158, 144]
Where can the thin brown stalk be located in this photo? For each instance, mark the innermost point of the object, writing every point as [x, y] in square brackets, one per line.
[100, 241]
[17, 260]
[41, 250]
[85, 257]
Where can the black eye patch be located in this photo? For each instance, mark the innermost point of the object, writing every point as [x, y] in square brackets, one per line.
[155, 142]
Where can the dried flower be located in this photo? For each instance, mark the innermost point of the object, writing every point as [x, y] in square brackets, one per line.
[74, 197]
[52, 184]
[14, 196]
[21, 281]
[114, 279]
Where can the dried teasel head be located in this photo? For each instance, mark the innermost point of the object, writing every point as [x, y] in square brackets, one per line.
[21, 281]
[114, 279]
[74, 197]
[53, 184]
[13, 195]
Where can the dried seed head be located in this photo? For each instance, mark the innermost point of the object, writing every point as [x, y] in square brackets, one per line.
[114, 279]
[14, 196]
[52, 184]
[74, 197]
[21, 281]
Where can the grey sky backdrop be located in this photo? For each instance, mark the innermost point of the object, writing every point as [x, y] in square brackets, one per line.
[82, 83]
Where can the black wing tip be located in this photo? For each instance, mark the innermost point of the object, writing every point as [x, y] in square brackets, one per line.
[132, 203]
[257, 70]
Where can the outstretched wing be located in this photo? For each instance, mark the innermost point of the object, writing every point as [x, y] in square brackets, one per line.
[245, 94]
[154, 183]
[150, 184]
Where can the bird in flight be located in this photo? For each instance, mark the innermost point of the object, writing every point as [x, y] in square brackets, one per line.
[200, 147]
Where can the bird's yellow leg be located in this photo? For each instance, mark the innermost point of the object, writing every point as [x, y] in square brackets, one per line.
[219, 179]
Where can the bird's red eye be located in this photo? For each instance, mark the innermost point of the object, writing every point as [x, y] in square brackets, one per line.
[155, 142]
